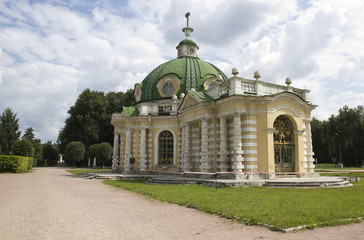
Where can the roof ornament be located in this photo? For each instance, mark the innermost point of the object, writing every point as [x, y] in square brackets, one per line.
[288, 81]
[234, 71]
[256, 75]
[187, 30]
[187, 15]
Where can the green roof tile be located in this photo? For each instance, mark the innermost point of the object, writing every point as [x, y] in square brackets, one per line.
[201, 96]
[191, 72]
[130, 111]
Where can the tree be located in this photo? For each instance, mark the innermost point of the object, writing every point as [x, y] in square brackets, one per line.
[340, 139]
[10, 126]
[103, 154]
[28, 135]
[23, 148]
[85, 120]
[350, 139]
[90, 117]
[50, 153]
[75, 152]
[9, 130]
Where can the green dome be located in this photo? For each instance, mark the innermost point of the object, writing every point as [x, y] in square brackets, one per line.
[189, 72]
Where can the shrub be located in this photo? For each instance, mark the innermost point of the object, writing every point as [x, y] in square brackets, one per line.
[42, 162]
[51, 154]
[30, 163]
[23, 148]
[35, 162]
[103, 154]
[75, 152]
[13, 163]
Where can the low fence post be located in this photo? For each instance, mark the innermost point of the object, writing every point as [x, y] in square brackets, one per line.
[215, 180]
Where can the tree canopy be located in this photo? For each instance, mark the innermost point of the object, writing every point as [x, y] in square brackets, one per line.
[75, 152]
[50, 153]
[9, 130]
[340, 138]
[89, 119]
[103, 154]
[23, 148]
[29, 135]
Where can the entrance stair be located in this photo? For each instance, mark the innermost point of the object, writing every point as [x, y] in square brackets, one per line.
[308, 182]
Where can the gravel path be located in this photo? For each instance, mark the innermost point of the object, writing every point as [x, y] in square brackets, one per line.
[50, 203]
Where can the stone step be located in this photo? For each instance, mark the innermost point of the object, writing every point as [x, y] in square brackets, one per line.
[308, 184]
[153, 180]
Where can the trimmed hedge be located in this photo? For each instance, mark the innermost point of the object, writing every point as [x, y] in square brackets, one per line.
[15, 164]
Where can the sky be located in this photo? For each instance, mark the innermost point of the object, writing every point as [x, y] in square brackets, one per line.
[52, 50]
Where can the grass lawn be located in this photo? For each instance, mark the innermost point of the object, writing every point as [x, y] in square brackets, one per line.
[282, 208]
[84, 171]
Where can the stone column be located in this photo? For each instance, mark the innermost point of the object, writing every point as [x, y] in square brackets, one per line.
[237, 159]
[115, 153]
[204, 146]
[143, 150]
[121, 150]
[187, 148]
[127, 150]
[94, 163]
[223, 146]
[182, 152]
[309, 150]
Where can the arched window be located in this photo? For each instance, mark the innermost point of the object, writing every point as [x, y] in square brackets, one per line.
[284, 148]
[166, 148]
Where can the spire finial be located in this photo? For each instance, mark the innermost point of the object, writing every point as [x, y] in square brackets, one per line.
[187, 30]
[187, 15]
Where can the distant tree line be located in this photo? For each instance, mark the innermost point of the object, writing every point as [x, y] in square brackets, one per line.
[28, 145]
[340, 139]
[89, 124]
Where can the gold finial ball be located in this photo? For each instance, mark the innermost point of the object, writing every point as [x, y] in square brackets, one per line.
[288, 81]
[256, 75]
[234, 71]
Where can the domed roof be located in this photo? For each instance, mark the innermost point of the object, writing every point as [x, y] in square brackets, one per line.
[187, 72]
[179, 75]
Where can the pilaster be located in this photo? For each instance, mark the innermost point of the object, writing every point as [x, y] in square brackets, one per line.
[115, 152]
[204, 146]
[223, 146]
[187, 148]
[143, 150]
[127, 150]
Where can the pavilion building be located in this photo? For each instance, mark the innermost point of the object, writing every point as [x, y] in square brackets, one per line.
[190, 117]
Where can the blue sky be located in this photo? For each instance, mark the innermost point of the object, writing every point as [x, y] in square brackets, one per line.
[50, 51]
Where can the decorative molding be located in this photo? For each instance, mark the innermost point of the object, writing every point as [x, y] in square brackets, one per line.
[285, 107]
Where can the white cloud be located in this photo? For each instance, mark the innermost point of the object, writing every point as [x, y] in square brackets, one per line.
[51, 51]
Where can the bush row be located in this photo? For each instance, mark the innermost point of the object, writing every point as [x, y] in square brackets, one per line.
[15, 163]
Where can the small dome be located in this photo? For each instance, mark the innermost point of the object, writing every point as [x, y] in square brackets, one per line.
[187, 41]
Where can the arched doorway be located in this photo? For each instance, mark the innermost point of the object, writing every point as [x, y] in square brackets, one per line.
[166, 148]
[284, 148]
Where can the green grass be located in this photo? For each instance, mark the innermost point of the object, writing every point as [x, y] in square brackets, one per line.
[84, 171]
[282, 208]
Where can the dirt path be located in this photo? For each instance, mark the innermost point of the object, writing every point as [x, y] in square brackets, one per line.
[51, 203]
